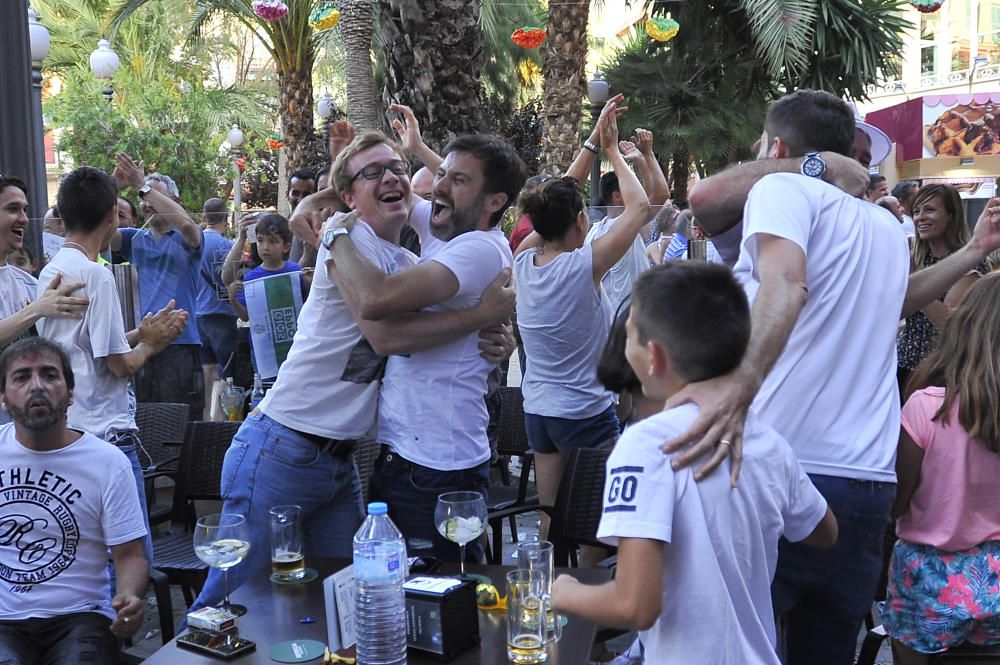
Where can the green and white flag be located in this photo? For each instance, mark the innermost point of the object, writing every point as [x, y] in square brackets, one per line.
[273, 304]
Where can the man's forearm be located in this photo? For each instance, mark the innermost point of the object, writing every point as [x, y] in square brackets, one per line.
[419, 331]
[717, 201]
[131, 575]
[428, 157]
[931, 283]
[602, 604]
[772, 320]
[657, 189]
[177, 216]
[359, 278]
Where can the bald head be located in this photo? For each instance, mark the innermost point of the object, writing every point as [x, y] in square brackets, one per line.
[422, 183]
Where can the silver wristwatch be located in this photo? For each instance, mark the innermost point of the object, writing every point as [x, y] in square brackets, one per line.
[331, 235]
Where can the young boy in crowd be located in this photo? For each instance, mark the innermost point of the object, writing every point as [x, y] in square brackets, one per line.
[274, 242]
[695, 559]
[22, 258]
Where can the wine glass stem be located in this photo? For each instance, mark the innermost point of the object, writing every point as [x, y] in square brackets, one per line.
[225, 587]
[461, 559]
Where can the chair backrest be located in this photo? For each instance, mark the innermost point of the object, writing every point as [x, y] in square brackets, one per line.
[199, 472]
[579, 502]
[513, 435]
[161, 430]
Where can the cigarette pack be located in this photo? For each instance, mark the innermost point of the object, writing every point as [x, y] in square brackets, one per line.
[215, 619]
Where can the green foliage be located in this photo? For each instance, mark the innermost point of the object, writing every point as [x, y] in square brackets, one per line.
[171, 132]
[522, 128]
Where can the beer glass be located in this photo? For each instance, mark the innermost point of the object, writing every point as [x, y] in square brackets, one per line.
[538, 555]
[288, 563]
[527, 630]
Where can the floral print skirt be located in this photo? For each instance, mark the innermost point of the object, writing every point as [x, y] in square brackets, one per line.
[938, 599]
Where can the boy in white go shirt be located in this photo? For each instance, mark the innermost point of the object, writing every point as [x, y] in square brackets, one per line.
[695, 559]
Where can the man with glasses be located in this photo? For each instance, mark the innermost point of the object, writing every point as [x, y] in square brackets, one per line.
[296, 446]
[432, 416]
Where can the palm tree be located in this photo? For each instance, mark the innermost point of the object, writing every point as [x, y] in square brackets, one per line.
[356, 28]
[292, 45]
[433, 60]
[564, 55]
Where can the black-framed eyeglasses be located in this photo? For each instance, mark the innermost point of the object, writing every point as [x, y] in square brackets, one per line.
[375, 171]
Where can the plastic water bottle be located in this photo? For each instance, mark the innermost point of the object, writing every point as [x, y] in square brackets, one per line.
[258, 392]
[379, 600]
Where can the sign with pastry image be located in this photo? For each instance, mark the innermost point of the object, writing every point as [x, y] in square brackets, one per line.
[961, 126]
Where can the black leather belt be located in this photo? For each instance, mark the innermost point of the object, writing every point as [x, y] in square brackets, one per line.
[341, 448]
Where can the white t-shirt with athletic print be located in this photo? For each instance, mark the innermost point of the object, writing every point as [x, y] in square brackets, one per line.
[432, 410]
[720, 544]
[102, 402]
[832, 392]
[329, 383]
[62, 510]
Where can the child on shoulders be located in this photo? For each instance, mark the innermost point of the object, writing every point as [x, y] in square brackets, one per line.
[695, 559]
[943, 575]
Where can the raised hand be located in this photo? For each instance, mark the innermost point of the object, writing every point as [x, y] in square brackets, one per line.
[56, 301]
[341, 134]
[128, 171]
[608, 123]
[986, 235]
[408, 128]
[643, 140]
[629, 151]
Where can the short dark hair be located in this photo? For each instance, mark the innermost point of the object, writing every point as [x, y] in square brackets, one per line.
[504, 171]
[86, 197]
[811, 121]
[609, 185]
[30, 347]
[613, 368]
[273, 224]
[697, 312]
[902, 190]
[10, 181]
[552, 205]
[874, 181]
[214, 211]
[302, 174]
[131, 207]
[323, 171]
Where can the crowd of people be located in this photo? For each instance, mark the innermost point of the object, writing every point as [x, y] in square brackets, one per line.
[830, 366]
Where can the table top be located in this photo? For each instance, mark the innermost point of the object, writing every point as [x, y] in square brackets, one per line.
[274, 612]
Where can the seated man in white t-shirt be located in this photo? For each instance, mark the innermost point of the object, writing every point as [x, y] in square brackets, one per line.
[66, 498]
[692, 555]
[432, 416]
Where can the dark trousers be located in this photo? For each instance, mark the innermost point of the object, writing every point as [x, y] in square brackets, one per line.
[63, 640]
[411, 491]
[824, 595]
[173, 375]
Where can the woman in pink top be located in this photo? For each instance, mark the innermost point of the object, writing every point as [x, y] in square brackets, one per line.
[943, 577]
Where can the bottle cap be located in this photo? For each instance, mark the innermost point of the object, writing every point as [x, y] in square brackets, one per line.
[377, 508]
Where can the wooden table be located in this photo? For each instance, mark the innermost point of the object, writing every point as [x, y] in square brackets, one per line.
[275, 611]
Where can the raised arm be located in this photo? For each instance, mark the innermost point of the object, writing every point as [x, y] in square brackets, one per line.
[653, 179]
[928, 284]
[610, 247]
[132, 172]
[584, 161]
[717, 201]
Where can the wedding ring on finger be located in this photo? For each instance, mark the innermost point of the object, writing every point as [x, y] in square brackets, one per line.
[728, 444]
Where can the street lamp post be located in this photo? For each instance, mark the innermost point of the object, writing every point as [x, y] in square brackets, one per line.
[104, 63]
[235, 141]
[38, 36]
[597, 93]
[326, 109]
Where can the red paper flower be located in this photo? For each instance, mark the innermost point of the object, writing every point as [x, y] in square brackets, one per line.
[241, 163]
[528, 37]
[275, 143]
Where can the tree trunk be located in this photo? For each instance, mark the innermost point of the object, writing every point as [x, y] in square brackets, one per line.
[356, 26]
[297, 113]
[564, 56]
[680, 171]
[433, 59]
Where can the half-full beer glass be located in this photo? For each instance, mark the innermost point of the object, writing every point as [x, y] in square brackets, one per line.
[527, 632]
[288, 562]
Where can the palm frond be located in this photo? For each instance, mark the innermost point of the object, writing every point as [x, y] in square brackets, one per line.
[782, 31]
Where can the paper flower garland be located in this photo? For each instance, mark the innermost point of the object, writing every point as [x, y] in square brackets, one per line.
[528, 37]
[274, 142]
[662, 29]
[270, 10]
[324, 17]
[927, 6]
[241, 163]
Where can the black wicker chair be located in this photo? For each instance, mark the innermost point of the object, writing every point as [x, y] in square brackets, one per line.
[513, 442]
[198, 477]
[161, 432]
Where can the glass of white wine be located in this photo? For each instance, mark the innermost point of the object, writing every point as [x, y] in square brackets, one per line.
[221, 541]
[460, 517]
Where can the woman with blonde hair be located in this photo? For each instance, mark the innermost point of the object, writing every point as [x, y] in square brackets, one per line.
[941, 230]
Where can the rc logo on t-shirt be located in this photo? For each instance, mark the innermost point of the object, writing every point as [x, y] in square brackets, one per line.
[38, 531]
[622, 486]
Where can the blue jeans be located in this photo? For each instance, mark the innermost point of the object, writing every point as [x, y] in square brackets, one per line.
[131, 452]
[824, 595]
[269, 465]
[411, 490]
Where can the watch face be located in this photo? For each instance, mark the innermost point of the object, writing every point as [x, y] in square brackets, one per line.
[328, 238]
[813, 167]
